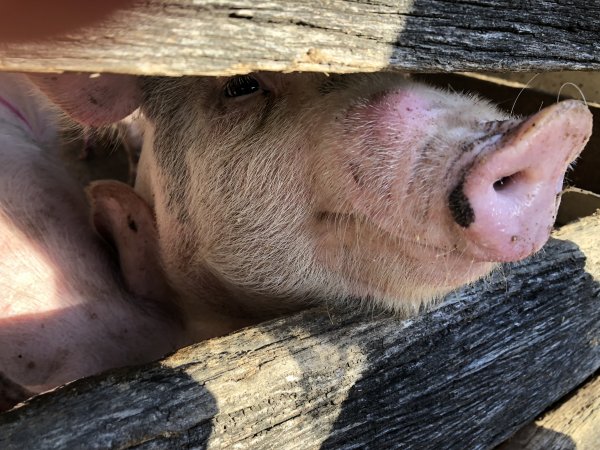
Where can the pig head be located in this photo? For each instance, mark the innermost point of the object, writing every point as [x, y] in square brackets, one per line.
[269, 190]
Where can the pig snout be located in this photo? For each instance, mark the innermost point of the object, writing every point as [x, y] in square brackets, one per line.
[506, 203]
[451, 184]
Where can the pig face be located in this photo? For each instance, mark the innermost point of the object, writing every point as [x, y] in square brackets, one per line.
[269, 189]
[372, 186]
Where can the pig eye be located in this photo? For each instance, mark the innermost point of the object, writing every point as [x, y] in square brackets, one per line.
[240, 86]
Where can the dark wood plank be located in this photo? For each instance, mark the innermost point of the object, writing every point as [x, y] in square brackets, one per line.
[214, 37]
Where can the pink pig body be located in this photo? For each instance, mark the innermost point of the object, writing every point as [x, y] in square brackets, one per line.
[64, 313]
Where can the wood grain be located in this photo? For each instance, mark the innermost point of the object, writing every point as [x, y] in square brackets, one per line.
[214, 37]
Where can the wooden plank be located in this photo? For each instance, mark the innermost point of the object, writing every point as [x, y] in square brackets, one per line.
[580, 85]
[467, 374]
[574, 424]
[215, 37]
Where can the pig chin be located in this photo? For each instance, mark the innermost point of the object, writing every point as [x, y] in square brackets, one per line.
[415, 282]
[397, 271]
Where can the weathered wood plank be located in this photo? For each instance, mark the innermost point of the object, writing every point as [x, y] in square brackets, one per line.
[574, 424]
[214, 37]
[467, 374]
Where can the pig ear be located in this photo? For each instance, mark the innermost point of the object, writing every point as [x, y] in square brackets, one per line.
[124, 219]
[91, 99]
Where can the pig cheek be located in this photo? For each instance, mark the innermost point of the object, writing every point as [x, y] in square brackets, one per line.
[175, 247]
[378, 158]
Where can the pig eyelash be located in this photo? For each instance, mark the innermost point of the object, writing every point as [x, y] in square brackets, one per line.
[242, 86]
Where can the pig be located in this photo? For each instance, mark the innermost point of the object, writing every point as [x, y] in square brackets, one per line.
[65, 311]
[272, 191]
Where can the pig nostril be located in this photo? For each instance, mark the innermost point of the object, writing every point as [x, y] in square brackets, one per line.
[501, 184]
[505, 182]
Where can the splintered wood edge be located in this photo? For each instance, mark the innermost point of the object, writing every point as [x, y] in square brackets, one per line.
[185, 37]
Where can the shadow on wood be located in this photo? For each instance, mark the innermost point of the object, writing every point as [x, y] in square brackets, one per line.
[467, 374]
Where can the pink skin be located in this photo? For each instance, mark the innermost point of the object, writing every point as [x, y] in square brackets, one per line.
[513, 217]
[512, 178]
[315, 187]
[94, 100]
[64, 313]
